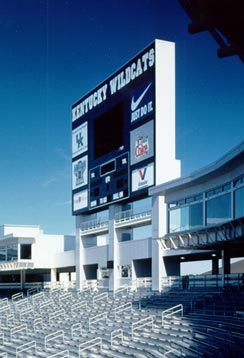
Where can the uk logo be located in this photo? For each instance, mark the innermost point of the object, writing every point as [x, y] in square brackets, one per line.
[79, 140]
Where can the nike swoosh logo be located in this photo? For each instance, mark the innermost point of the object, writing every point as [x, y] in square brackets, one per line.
[134, 104]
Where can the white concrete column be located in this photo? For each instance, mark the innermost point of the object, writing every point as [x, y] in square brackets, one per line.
[223, 268]
[159, 229]
[79, 255]
[22, 279]
[53, 275]
[18, 252]
[113, 249]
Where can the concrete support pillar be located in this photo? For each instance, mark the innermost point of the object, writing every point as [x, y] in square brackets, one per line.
[215, 266]
[18, 252]
[159, 229]
[114, 249]
[53, 275]
[22, 279]
[225, 266]
[133, 272]
[79, 255]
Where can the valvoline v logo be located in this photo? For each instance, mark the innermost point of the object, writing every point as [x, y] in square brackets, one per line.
[142, 101]
[142, 173]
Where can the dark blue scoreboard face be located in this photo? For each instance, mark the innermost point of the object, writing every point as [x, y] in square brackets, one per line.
[113, 137]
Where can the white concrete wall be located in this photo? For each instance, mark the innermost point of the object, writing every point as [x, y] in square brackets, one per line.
[20, 231]
[134, 250]
[64, 259]
[96, 255]
[45, 249]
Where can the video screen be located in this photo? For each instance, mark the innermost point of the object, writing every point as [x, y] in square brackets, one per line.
[109, 131]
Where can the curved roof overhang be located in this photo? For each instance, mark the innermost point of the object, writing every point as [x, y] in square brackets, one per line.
[228, 162]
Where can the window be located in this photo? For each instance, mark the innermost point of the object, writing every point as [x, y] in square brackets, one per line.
[25, 252]
[218, 209]
[186, 218]
[239, 202]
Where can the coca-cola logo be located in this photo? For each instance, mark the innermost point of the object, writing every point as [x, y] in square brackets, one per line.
[141, 146]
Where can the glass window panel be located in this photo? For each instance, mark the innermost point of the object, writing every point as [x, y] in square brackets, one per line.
[239, 202]
[12, 252]
[218, 209]
[198, 197]
[186, 218]
[227, 187]
[181, 202]
[218, 190]
[237, 182]
[210, 193]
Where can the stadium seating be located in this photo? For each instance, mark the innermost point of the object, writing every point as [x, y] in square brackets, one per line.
[97, 323]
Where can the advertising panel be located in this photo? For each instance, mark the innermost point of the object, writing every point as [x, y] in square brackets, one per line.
[79, 172]
[143, 177]
[142, 143]
[79, 140]
[80, 200]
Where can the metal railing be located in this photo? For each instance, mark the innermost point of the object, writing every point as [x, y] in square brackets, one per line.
[25, 348]
[90, 344]
[63, 354]
[94, 224]
[172, 311]
[132, 214]
[117, 333]
[126, 307]
[53, 336]
[148, 321]
[98, 318]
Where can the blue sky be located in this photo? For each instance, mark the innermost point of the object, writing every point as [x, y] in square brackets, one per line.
[54, 51]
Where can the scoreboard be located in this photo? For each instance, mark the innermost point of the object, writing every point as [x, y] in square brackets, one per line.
[113, 137]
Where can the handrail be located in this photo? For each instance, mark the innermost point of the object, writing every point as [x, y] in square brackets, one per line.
[52, 336]
[18, 329]
[91, 343]
[65, 296]
[76, 327]
[121, 289]
[10, 317]
[26, 311]
[57, 313]
[100, 297]
[170, 311]
[131, 214]
[100, 317]
[45, 304]
[94, 224]
[3, 300]
[78, 306]
[25, 347]
[172, 351]
[38, 321]
[122, 308]
[31, 290]
[148, 321]
[144, 282]
[37, 296]
[16, 296]
[22, 302]
[117, 333]
[63, 354]
[2, 337]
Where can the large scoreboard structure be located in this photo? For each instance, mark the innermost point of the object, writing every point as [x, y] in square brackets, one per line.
[123, 132]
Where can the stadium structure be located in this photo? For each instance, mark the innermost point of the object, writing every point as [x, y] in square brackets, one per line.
[115, 288]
